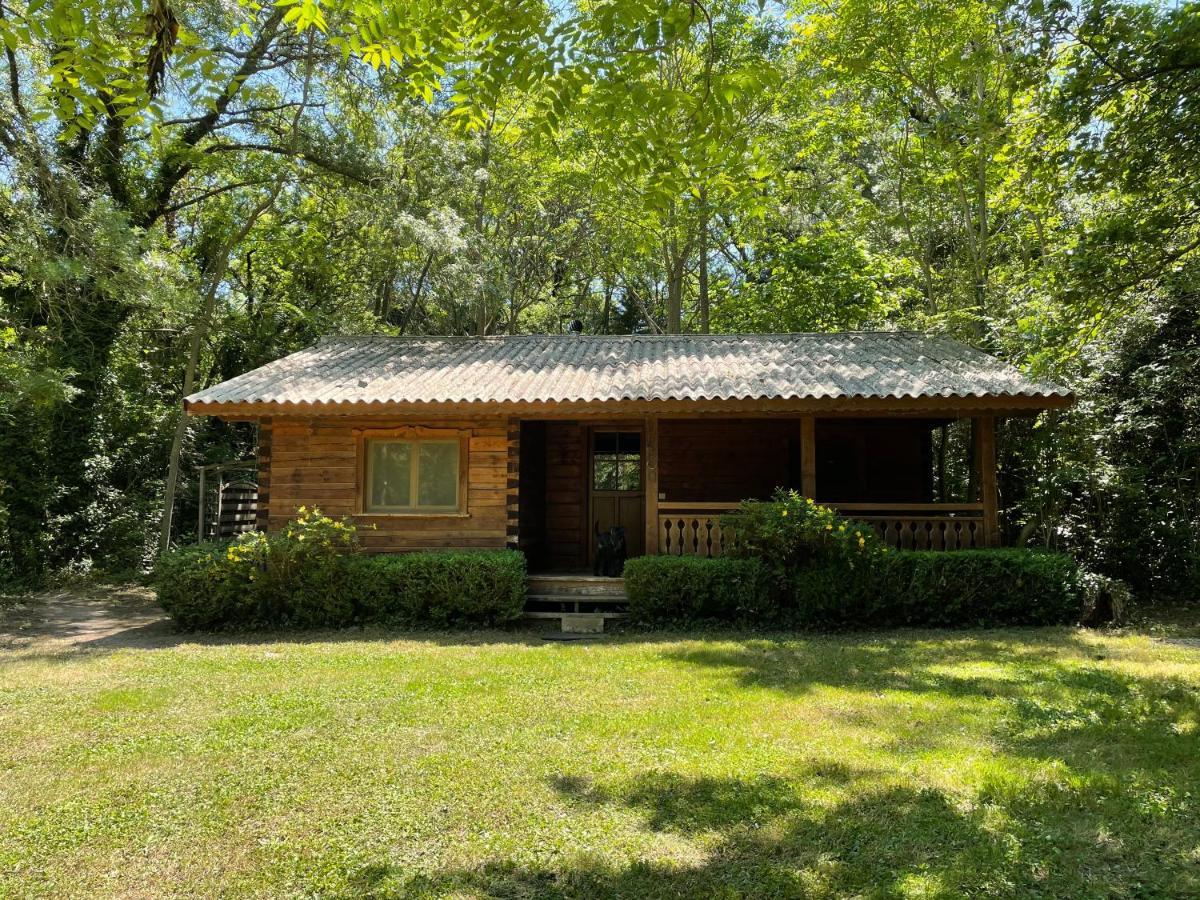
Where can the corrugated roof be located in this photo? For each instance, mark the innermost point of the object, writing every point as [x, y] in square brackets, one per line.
[586, 368]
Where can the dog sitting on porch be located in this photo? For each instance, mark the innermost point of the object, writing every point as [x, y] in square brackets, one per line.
[610, 551]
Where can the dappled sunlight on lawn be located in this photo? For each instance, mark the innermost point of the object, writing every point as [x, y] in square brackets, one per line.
[1029, 762]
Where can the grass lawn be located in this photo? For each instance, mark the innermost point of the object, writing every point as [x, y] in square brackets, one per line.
[1047, 762]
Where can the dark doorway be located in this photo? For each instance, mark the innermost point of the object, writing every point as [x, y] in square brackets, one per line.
[616, 481]
[552, 496]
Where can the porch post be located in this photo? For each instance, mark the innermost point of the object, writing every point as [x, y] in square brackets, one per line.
[512, 489]
[808, 457]
[650, 450]
[985, 461]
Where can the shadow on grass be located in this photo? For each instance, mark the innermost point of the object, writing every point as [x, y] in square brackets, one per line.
[1092, 789]
[768, 843]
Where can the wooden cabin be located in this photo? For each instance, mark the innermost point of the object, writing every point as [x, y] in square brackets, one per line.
[538, 442]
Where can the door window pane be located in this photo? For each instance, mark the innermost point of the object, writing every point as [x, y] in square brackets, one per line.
[390, 468]
[605, 473]
[617, 461]
[629, 474]
[437, 475]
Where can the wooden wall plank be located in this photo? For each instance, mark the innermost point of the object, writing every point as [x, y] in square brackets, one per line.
[316, 464]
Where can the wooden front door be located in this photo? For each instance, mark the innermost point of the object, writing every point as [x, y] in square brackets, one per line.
[616, 478]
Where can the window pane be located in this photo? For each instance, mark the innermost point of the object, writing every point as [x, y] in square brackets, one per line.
[631, 442]
[438, 474]
[604, 442]
[391, 468]
[606, 473]
[629, 475]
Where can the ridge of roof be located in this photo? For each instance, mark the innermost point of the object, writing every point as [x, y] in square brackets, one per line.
[498, 338]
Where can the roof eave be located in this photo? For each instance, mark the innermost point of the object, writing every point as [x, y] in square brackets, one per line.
[995, 404]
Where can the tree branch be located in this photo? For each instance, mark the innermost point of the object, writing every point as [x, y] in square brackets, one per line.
[333, 166]
[177, 164]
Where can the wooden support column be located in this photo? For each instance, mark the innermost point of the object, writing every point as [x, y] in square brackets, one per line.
[808, 456]
[985, 462]
[650, 455]
[512, 494]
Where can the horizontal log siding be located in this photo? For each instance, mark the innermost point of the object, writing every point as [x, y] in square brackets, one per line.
[726, 460]
[313, 462]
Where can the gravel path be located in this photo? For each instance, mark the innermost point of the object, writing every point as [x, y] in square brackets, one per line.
[102, 616]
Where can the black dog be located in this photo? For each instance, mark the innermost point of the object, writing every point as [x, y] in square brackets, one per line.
[610, 551]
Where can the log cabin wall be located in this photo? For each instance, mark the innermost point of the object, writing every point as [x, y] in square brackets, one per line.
[314, 462]
[566, 544]
[727, 460]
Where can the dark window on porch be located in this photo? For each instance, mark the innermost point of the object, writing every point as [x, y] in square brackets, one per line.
[861, 460]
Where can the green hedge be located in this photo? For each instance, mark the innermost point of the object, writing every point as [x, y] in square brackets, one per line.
[312, 575]
[441, 589]
[980, 587]
[958, 588]
[686, 588]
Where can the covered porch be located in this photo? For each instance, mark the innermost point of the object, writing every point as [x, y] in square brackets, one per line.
[922, 481]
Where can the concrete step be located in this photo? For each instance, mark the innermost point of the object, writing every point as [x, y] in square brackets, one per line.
[578, 623]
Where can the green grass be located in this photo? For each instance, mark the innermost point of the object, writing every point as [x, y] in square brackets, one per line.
[1045, 762]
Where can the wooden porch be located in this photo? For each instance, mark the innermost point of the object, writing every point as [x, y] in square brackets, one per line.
[668, 481]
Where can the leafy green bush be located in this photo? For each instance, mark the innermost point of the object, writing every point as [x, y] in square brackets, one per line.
[441, 588]
[205, 588]
[1010, 586]
[688, 588]
[311, 574]
[832, 571]
[824, 567]
[791, 532]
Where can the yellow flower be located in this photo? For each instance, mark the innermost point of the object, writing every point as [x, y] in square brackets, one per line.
[858, 534]
[861, 541]
[841, 528]
[829, 527]
[785, 512]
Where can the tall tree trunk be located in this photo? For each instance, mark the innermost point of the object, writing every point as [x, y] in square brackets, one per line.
[199, 334]
[674, 271]
[981, 198]
[481, 312]
[702, 238]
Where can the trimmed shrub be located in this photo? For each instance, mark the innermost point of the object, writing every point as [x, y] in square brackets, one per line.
[441, 588]
[979, 587]
[687, 588]
[835, 593]
[832, 571]
[311, 574]
[202, 588]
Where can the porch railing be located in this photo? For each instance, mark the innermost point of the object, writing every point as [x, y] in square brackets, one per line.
[694, 529]
[921, 526]
[691, 529]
